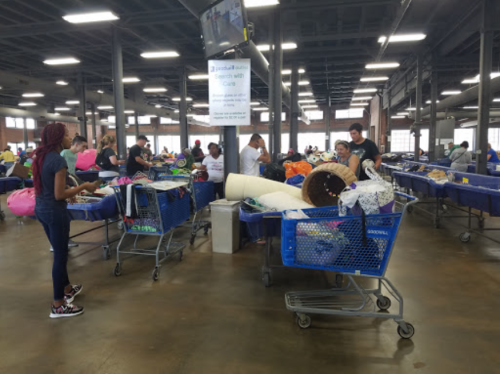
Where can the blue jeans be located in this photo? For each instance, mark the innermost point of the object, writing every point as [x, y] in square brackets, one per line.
[55, 221]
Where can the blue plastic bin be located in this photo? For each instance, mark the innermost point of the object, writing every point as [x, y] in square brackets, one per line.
[204, 193]
[255, 223]
[106, 208]
[418, 182]
[9, 184]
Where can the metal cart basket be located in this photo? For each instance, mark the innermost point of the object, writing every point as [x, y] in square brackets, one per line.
[353, 245]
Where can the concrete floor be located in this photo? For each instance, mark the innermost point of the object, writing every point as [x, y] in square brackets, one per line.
[211, 313]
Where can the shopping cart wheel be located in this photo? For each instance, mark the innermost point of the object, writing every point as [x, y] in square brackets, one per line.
[464, 237]
[304, 321]
[193, 237]
[384, 304]
[118, 270]
[2, 216]
[181, 255]
[120, 225]
[205, 228]
[156, 274]
[266, 279]
[406, 335]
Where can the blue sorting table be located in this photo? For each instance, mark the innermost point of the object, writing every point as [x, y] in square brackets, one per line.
[88, 176]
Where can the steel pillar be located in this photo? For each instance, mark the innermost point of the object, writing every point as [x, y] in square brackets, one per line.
[418, 109]
[136, 119]
[94, 125]
[328, 116]
[183, 124]
[25, 134]
[277, 78]
[83, 105]
[433, 119]
[295, 110]
[389, 124]
[119, 95]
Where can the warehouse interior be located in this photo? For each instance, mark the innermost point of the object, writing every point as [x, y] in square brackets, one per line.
[403, 69]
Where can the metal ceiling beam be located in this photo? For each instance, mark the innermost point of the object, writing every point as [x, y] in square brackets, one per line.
[40, 114]
[405, 4]
[329, 4]
[346, 36]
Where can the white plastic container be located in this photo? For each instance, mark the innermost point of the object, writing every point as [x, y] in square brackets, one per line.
[225, 226]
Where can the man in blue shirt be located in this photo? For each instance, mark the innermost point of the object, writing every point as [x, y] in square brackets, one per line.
[492, 155]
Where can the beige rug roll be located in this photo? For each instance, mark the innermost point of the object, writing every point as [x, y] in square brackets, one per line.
[239, 187]
[325, 183]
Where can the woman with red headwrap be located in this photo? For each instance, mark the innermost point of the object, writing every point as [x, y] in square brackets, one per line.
[49, 179]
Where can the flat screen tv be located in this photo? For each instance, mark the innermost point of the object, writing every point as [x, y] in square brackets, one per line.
[224, 27]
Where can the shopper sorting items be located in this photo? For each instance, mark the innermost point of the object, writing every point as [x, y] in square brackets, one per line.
[197, 152]
[451, 147]
[250, 157]
[345, 157]
[106, 158]
[185, 160]
[213, 164]
[461, 158]
[136, 161]
[78, 145]
[492, 155]
[7, 156]
[365, 149]
[49, 179]
[148, 153]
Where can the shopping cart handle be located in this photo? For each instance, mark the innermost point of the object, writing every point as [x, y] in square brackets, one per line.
[409, 197]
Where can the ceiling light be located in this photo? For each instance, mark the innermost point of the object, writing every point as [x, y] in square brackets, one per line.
[260, 3]
[179, 99]
[362, 98]
[34, 94]
[289, 71]
[62, 109]
[402, 38]
[104, 107]
[365, 90]
[374, 79]
[496, 100]
[301, 83]
[403, 113]
[302, 94]
[382, 65]
[309, 106]
[72, 102]
[284, 46]
[160, 54]
[449, 93]
[360, 104]
[91, 17]
[57, 114]
[131, 80]
[202, 105]
[157, 106]
[62, 83]
[260, 109]
[308, 101]
[410, 109]
[470, 81]
[100, 91]
[470, 107]
[88, 113]
[254, 103]
[129, 112]
[176, 111]
[155, 89]
[27, 103]
[430, 102]
[199, 77]
[62, 61]
[398, 117]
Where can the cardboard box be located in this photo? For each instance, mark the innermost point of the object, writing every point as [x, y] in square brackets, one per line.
[18, 170]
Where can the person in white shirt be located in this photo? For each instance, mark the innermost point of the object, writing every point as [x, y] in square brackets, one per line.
[213, 164]
[250, 157]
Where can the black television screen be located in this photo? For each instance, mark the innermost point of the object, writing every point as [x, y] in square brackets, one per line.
[224, 26]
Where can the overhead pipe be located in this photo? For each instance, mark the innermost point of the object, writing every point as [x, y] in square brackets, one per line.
[462, 114]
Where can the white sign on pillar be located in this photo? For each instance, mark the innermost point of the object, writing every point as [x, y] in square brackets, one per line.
[229, 92]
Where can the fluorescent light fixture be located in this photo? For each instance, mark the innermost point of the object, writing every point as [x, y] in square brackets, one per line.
[284, 46]
[176, 111]
[309, 106]
[382, 65]
[360, 104]
[301, 83]
[104, 107]
[403, 113]
[72, 102]
[91, 17]
[496, 100]
[260, 109]
[374, 79]
[201, 105]
[62, 83]
[62, 61]
[451, 92]
[470, 81]
[27, 103]
[179, 99]
[155, 89]
[129, 112]
[470, 107]
[260, 3]
[157, 106]
[477, 78]
[33, 94]
[430, 102]
[160, 54]
[364, 90]
[303, 94]
[131, 80]
[362, 98]
[57, 114]
[402, 38]
[62, 109]
[254, 103]
[100, 91]
[307, 101]
[88, 113]
[199, 77]
[411, 109]
[397, 117]
[289, 71]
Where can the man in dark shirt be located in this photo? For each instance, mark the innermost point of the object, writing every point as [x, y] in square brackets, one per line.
[149, 154]
[365, 149]
[136, 157]
[197, 152]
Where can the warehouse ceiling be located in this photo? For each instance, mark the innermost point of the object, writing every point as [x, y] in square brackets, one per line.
[335, 40]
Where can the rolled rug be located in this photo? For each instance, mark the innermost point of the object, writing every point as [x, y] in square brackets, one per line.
[239, 187]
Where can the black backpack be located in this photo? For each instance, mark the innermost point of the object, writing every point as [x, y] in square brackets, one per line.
[275, 172]
[103, 162]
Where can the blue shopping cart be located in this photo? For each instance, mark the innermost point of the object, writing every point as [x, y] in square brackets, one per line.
[353, 245]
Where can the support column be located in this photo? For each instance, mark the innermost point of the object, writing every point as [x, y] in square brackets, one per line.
[94, 125]
[25, 134]
[328, 116]
[389, 124]
[136, 119]
[183, 109]
[433, 120]
[418, 109]
[278, 67]
[294, 110]
[119, 95]
[231, 156]
[485, 62]
[83, 105]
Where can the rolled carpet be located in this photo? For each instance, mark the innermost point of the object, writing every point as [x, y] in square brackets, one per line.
[239, 187]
